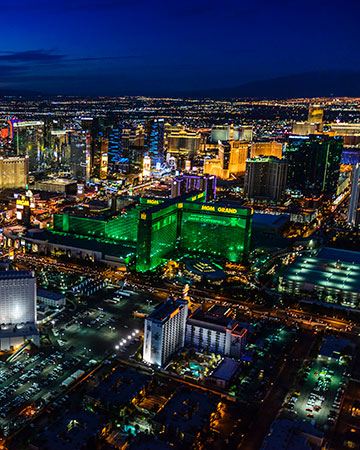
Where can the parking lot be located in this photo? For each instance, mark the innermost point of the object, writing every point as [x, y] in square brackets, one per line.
[101, 326]
[319, 398]
[104, 325]
[32, 380]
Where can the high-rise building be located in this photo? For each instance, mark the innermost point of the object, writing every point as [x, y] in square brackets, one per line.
[193, 227]
[17, 308]
[157, 234]
[14, 172]
[230, 132]
[183, 144]
[164, 332]
[133, 143]
[314, 163]
[183, 184]
[115, 150]
[304, 128]
[231, 160]
[29, 140]
[271, 148]
[216, 230]
[155, 141]
[265, 179]
[216, 332]
[79, 157]
[316, 114]
[353, 214]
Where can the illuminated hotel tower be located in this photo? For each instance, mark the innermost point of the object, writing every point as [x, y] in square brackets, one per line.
[164, 332]
[353, 209]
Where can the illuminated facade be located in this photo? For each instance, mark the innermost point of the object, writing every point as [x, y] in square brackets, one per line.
[265, 179]
[154, 141]
[157, 228]
[317, 156]
[164, 332]
[157, 234]
[186, 183]
[353, 213]
[113, 229]
[316, 114]
[29, 140]
[215, 229]
[231, 160]
[17, 308]
[271, 148]
[216, 332]
[14, 172]
[183, 143]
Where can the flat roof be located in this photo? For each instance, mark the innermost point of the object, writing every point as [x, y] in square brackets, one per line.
[274, 220]
[187, 410]
[120, 387]
[226, 369]
[164, 310]
[118, 250]
[49, 294]
[327, 273]
[15, 274]
[336, 254]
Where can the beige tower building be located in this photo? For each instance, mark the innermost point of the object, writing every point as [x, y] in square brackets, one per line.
[316, 114]
[14, 172]
[266, 149]
[231, 160]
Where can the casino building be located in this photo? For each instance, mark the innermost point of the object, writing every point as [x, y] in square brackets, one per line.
[145, 233]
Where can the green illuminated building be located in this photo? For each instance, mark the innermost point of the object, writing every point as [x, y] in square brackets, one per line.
[122, 227]
[158, 227]
[217, 230]
[194, 228]
[157, 235]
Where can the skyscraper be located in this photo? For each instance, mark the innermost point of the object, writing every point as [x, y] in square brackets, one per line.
[231, 160]
[314, 163]
[17, 308]
[316, 114]
[14, 172]
[353, 213]
[154, 141]
[115, 150]
[271, 148]
[265, 178]
[164, 332]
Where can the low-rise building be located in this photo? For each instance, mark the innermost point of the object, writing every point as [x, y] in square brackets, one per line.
[224, 372]
[185, 415]
[118, 389]
[287, 434]
[332, 275]
[50, 298]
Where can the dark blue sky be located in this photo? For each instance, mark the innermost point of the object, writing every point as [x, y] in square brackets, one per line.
[113, 47]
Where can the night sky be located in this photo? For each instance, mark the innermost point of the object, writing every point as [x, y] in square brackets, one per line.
[155, 47]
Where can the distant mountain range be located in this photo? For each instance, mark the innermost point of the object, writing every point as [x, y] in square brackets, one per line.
[311, 84]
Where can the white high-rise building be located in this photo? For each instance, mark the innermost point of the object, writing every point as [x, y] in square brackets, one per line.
[164, 332]
[17, 308]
